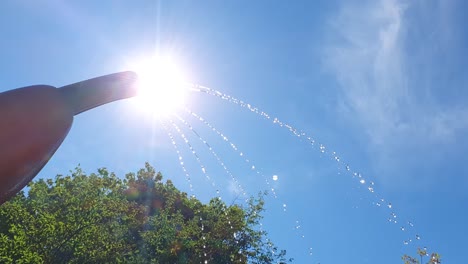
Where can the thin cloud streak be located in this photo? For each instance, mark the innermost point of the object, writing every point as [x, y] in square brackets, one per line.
[379, 90]
[369, 63]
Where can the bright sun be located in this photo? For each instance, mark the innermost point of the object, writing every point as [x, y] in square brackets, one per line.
[161, 86]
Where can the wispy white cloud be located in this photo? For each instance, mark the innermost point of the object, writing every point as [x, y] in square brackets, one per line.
[234, 188]
[382, 73]
[367, 61]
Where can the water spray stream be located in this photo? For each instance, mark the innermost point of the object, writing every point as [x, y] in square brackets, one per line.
[197, 158]
[297, 227]
[214, 154]
[179, 155]
[204, 171]
[408, 225]
[187, 175]
[222, 164]
[205, 142]
[233, 146]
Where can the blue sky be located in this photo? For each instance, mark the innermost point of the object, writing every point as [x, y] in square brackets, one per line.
[382, 83]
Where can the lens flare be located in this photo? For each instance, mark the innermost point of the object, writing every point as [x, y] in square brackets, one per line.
[161, 86]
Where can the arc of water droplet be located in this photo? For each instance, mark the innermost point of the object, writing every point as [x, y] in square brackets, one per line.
[298, 133]
[233, 146]
[235, 149]
[204, 141]
[179, 156]
[185, 139]
[220, 162]
[216, 156]
[181, 162]
[278, 122]
[253, 109]
[197, 158]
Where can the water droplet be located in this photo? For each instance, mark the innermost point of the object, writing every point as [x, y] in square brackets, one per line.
[310, 251]
[410, 224]
[322, 148]
[362, 181]
[206, 261]
[203, 169]
[253, 167]
[241, 154]
[297, 224]
[372, 183]
[418, 237]
[378, 204]
[275, 177]
[405, 242]
[347, 167]
[402, 228]
[389, 205]
[371, 189]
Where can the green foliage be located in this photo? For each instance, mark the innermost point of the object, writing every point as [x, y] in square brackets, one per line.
[103, 219]
[434, 258]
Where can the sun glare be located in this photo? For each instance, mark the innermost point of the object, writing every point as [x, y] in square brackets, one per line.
[161, 86]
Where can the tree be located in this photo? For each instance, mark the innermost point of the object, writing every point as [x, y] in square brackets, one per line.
[103, 219]
[434, 258]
